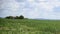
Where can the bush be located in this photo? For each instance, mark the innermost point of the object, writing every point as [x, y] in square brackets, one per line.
[16, 17]
[21, 17]
[9, 17]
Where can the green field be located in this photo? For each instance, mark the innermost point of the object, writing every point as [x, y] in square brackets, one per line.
[29, 26]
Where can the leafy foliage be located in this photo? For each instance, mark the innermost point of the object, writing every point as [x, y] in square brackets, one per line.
[21, 17]
[9, 17]
[17, 17]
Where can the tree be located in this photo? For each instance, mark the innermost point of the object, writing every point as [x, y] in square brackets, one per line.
[9, 17]
[16, 17]
[21, 17]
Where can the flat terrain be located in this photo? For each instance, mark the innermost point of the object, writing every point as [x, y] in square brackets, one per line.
[29, 26]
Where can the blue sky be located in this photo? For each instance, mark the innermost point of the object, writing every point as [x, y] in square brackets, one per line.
[48, 9]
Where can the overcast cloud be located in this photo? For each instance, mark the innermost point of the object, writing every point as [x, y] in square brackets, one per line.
[48, 9]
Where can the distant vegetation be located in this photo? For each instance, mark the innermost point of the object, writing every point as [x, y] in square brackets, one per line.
[17, 17]
[9, 17]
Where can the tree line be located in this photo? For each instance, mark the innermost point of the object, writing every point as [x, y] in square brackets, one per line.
[16, 17]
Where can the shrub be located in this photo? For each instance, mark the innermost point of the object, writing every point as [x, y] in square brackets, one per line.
[21, 17]
[9, 17]
[16, 17]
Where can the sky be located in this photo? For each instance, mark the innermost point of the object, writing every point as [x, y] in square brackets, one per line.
[47, 9]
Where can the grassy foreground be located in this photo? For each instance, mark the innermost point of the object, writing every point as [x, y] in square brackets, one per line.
[29, 26]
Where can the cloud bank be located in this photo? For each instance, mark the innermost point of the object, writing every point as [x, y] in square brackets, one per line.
[48, 9]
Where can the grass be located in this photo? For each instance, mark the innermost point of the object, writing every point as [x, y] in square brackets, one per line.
[29, 26]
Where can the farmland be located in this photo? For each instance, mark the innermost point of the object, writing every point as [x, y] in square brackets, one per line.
[29, 26]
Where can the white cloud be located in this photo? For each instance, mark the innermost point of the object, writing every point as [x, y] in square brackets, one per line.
[32, 9]
[8, 7]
